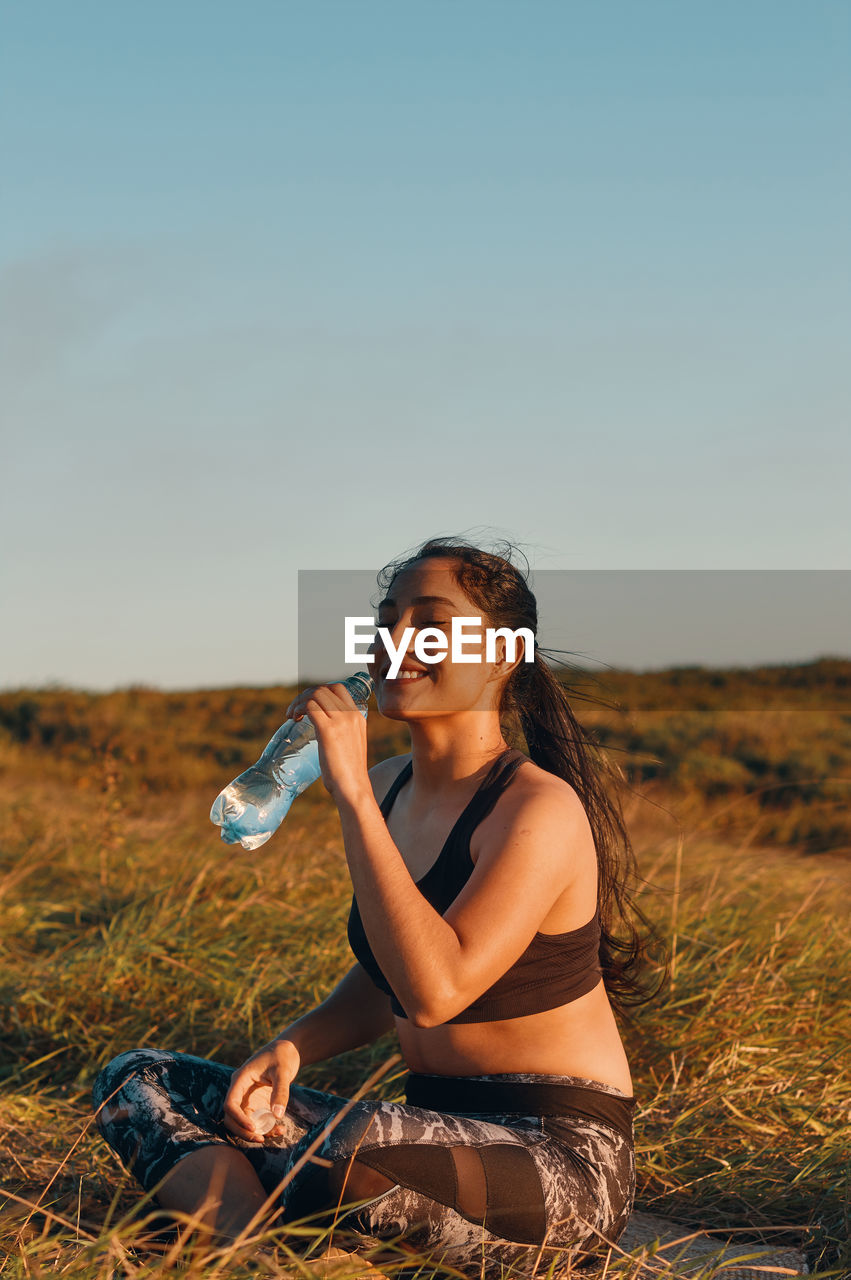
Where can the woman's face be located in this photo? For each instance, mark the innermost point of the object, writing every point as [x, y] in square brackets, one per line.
[427, 596]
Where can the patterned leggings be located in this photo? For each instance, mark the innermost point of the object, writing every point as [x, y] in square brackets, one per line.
[505, 1167]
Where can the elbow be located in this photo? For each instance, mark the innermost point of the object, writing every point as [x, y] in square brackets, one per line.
[425, 1017]
[434, 1009]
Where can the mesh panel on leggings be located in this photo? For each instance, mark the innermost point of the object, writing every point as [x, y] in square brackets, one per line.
[497, 1185]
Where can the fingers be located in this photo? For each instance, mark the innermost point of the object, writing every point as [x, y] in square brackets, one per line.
[280, 1097]
[267, 1075]
[322, 698]
[236, 1117]
[242, 1082]
[240, 1124]
[238, 1109]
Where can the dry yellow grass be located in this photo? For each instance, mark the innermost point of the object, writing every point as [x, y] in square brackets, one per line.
[127, 922]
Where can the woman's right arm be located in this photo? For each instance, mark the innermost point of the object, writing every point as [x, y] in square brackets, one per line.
[355, 1013]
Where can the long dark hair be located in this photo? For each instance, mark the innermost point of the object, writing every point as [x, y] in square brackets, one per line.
[536, 700]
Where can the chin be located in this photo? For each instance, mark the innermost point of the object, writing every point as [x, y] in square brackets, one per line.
[393, 708]
[391, 712]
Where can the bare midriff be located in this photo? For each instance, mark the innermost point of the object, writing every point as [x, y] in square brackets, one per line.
[576, 1039]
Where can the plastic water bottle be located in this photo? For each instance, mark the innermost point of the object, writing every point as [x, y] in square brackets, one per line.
[255, 804]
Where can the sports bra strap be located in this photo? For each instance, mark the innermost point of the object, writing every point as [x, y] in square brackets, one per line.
[395, 787]
[501, 772]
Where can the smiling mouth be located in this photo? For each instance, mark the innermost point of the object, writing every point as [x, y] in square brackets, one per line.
[406, 675]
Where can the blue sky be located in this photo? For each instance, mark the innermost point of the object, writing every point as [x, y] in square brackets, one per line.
[293, 286]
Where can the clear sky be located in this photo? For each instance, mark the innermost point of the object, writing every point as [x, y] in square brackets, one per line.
[294, 285]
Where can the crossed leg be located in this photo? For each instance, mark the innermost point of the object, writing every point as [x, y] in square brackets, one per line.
[218, 1186]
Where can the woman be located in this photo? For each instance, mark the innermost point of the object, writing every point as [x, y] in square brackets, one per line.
[487, 888]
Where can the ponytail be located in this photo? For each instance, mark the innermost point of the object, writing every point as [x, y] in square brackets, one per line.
[556, 742]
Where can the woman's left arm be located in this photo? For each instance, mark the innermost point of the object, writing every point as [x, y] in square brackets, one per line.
[437, 965]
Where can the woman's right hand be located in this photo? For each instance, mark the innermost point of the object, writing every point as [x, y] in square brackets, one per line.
[261, 1084]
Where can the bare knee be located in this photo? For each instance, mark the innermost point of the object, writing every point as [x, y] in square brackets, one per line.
[217, 1187]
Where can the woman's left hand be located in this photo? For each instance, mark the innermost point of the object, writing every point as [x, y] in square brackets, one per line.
[341, 735]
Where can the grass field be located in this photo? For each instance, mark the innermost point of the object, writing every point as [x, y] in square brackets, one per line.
[126, 922]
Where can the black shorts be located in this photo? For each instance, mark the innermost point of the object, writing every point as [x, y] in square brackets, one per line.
[546, 1162]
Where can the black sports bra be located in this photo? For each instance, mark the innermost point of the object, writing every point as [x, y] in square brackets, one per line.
[555, 968]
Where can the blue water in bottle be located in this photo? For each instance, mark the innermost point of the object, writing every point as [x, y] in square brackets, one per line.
[253, 806]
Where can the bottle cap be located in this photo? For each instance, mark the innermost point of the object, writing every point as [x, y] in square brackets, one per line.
[263, 1121]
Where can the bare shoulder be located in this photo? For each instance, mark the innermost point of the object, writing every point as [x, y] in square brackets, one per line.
[539, 807]
[534, 790]
[383, 774]
[538, 834]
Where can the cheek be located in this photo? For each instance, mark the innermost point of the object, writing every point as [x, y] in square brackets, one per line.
[376, 649]
[465, 676]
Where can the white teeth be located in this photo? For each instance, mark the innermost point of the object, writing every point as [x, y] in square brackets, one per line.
[410, 675]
